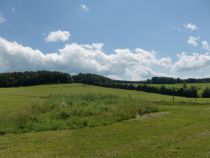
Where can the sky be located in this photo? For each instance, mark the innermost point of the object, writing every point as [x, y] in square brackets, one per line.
[120, 39]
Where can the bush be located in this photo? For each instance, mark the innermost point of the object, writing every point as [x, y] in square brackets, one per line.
[2, 133]
[206, 93]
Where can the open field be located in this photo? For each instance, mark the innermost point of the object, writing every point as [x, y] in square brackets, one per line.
[176, 129]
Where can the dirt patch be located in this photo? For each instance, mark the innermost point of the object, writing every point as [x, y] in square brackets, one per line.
[205, 133]
[152, 115]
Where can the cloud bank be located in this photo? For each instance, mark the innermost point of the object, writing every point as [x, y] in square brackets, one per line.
[74, 58]
[137, 64]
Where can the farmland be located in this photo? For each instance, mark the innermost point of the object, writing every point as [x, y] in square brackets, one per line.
[100, 124]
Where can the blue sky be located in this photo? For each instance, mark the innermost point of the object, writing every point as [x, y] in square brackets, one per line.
[161, 29]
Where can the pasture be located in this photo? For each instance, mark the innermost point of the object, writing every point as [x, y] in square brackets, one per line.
[75, 120]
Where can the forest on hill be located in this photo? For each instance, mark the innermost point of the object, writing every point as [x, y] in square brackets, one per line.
[29, 78]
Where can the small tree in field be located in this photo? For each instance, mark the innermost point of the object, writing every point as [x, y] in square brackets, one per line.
[184, 85]
[193, 92]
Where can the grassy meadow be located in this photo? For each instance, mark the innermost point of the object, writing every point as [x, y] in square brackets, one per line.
[75, 120]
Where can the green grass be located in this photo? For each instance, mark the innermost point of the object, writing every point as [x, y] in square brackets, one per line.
[179, 129]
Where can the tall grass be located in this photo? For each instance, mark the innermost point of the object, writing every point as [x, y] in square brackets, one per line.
[74, 111]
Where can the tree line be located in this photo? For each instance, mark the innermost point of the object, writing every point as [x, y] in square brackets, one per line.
[170, 80]
[16, 79]
[30, 78]
[191, 92]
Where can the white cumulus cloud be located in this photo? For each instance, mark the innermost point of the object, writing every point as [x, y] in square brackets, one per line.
[205, 45]
[58, 35]
[191, 62]
[84, 7]
[190, 26]
[193, 41]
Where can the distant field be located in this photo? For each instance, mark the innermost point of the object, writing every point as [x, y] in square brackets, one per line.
[200, 86]
[105, 124]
